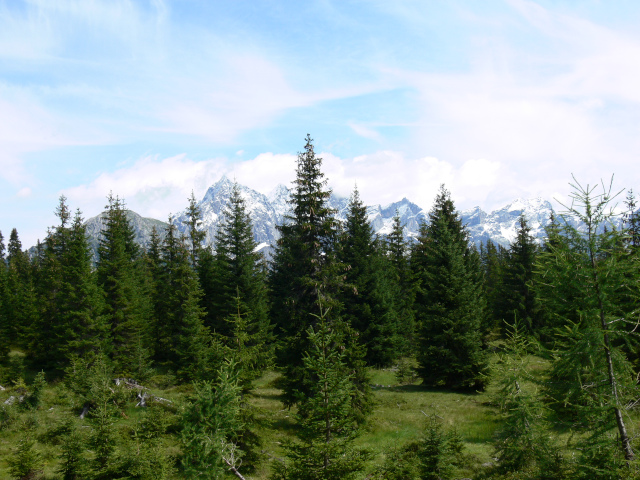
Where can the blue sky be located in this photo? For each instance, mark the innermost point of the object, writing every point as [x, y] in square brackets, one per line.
[154, 99]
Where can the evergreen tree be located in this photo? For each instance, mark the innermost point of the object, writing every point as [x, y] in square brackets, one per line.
[327, 424]
[239, 296]
[21, 309]
[196, 237]
[582, 273]
[397, 251]
[523, 442]
[436, 455]
[210, 426]
[368, 303]
[517, 290]
[494, 260]
[26, 462]
[185, 341]
[46, 343]
[305, 272]
[82, 301]
[126, 309]
[632, 221]
[450, 305]
[72, 462]
[4, 321]
[70, 301]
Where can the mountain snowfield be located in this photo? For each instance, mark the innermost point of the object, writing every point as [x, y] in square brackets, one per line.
[267, 211]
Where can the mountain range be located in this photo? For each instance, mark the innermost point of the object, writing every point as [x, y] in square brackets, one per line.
[267, 211]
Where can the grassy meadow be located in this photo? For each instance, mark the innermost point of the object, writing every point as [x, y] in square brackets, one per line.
[398, 417]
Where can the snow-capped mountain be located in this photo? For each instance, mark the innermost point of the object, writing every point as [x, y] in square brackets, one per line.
[263, 212]
[501, 226]
[267, 211]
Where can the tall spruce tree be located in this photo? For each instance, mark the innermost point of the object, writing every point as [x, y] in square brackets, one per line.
[584, 284]
[239, 299]
[196, 237]
[450, 305]
[4, 321]
[304, 273]
[22, 311]
[518, 298]
[238, 267]
[185, 341]
[119, 275]
[402, 286]
[300, 265]
[71, 321]
[494, 259]
[46, 344]
[632, 221]
[82, 301]
[368, 301]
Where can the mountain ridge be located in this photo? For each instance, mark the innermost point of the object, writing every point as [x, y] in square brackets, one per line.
[268, 211]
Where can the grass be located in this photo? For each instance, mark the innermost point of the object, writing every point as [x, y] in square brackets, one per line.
[398, 417]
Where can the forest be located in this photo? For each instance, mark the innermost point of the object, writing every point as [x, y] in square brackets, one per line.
[344, 356]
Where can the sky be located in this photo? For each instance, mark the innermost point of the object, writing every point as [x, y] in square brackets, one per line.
[153, 100]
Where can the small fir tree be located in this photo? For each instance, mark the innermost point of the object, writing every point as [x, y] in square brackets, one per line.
[327, 423]
[210, 425]
[26, 462]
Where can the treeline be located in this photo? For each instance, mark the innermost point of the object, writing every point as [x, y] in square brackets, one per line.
[333, 301]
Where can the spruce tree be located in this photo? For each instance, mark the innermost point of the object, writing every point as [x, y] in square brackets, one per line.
[47, 340]
[71, 303]
[185, 341]
[583, 275]
[326, 415]
[368, 300]
[210, 426]
[196, 237]
[239, 296]
[494, 263]
[517, 290]
[632, 221]
[82, 301]
[402, 286]
[450, 305]
[305, 272]
[119, 275]
[22, 311]
[4, 321]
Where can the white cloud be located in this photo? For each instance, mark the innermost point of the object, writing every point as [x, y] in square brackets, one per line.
[156, 187]
[152, 187]
[364, 131]
[24, 192]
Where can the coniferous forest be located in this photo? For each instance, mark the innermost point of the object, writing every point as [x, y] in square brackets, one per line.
[344, 356]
